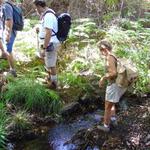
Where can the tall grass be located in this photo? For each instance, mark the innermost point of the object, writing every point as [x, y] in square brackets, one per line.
[32, 96]
[3, 119]
[20, 121]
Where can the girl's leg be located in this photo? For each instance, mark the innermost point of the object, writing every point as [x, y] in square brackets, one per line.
[107, 114]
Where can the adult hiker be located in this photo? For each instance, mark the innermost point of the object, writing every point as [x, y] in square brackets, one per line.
[9, 33]
[113, 91]
[48, 28]
[4, 54]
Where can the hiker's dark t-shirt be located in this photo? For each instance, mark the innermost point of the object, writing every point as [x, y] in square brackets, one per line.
[8, 13]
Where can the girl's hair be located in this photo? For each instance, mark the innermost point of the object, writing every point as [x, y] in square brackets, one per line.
[41, 3]
[106, 43]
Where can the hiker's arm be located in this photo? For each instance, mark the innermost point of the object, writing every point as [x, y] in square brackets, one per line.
[48, 33]
[8, 12]
[4, 53]
[8, 29]
[1, 45]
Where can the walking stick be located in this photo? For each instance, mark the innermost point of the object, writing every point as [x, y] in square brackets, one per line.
[37, 52]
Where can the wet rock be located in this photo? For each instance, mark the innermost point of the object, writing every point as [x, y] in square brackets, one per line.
[24, 135]
[39, 121]
[90, 103]
[30, 135]
[123, 104]
[48, 120]
[71, 110]
[87, 100]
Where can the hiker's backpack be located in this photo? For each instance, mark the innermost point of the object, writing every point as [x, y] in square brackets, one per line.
[18, 22]
[127, 72]
[64, 24]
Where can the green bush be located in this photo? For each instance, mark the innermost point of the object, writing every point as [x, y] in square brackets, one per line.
[133, 45]
[33, 96]
[130, 25]
[72, 80]
[84, 29]
[142, 59]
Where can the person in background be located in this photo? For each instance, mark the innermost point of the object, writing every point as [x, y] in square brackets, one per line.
[4, 54]
[47, 30]
[9, 34]
[113, 91]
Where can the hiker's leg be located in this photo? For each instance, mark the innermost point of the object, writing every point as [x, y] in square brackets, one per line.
[50, 61]
[9, 47]
[107, 114]
[10, 61]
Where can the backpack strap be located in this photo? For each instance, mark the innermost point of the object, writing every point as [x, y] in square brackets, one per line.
[49, 11]
[114, 56]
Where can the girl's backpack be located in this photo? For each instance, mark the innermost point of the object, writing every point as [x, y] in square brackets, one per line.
[127, 72]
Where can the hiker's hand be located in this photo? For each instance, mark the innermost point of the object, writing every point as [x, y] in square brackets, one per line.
[37, 30]
[7, 38]
[101, 82]
[42, 53]
[4, 54]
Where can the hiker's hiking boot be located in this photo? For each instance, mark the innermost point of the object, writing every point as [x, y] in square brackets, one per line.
[13, 72]
[103, 128]
[50, 84]
[53, 85]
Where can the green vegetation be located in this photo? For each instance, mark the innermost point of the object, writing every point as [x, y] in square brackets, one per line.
[20, 121]
[3, 122]
[32, 96]
[129, 40]
[80, 65]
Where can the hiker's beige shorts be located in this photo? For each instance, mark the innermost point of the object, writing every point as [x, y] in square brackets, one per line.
[114, 93]
[51, 56]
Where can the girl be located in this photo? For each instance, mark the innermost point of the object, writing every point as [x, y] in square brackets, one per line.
[113, 91]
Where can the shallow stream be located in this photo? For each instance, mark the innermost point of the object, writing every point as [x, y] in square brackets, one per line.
[60, 134]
